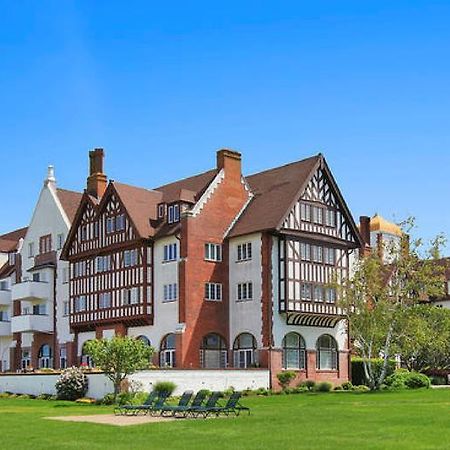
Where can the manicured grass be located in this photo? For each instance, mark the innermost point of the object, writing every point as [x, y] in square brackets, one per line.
[387, 420]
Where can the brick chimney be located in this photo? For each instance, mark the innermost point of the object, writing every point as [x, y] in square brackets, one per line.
[364, 230]
[230, 161]
[97, 181]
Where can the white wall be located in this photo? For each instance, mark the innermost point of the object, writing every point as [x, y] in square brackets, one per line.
[246, 316]
[165, 313]
[99, 385]
[6, 341]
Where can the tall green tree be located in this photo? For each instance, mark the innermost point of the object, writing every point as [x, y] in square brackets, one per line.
[119, 357]
[375, 297]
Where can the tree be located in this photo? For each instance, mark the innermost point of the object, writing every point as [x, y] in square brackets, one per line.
[375, 298]
[119, 357]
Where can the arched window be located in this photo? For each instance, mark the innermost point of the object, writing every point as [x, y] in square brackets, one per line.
[45, 357]
[213, 352]
[145, 340]
[294, 352]
[86, 359]
[167, 351]
[327, 353]
[244, 350]
[26, 359]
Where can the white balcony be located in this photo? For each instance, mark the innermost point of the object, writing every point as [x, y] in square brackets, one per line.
[31, 323]
[5, 297]
[31, 290]
[5, 328]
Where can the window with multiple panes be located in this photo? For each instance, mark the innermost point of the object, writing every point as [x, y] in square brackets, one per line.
[130, 258]
[245, 291]
[170, 252]
[11, 259]
[79, 269]
[30, 249]
[45, 244]
[330, 218]
[306, 291]
[173, 213]
[104, 300]
[120, 222]
[110, 224]
[327, 353]
[161, 210]
[103, 263]
[305, 212]
[317, 253]
[294, 352]
[84, 233]
[130, 296]
[318, 214]
[3, 285]
[213, 252]
[170, 292]
[244, 251]
[79, 303]
[318, 293]
[330, 295]
[330, 256]
[213, 291]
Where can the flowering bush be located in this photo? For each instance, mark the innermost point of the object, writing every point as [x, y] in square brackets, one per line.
[72, 384]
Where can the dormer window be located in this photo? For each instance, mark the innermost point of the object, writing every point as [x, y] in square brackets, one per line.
[161, 210]
[110, 225]
[174, 213]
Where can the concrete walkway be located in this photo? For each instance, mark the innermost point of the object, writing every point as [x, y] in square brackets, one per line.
[111, 419]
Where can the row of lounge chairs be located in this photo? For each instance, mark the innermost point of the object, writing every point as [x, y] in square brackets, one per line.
[189, 405]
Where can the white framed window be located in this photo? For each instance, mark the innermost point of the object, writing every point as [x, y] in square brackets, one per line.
[60, 241]
[84, 233]
[318, 215]
[120, 222]
[305, 212]
[170, 252]
[318, 293]
[213, 292]
[330, 218]
[170, 292]
[130, 257]
[330, 256]
[130, 296]
[63, 358]
[245, 291]
[12, 259]
[79, 269]
[173, 213]
[168, 351]
[244, 252]
[104, 300]
[26, 359]
[213, 252]
[306, 291]
[317, 253]
[161, 210]
[110, 225]
[294, 352]
[330, 295]
[30, 249]
[305, 251]
[103, 263]
[80, 303]
[3, 285]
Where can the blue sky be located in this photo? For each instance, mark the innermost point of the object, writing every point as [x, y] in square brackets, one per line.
[162, 86]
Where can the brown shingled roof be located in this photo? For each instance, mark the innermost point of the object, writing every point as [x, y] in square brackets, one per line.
[70, 200]
[9, 241]
[141, 205]
[274, 192]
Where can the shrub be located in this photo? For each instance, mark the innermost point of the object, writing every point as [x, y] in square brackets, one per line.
[24, 396]
[361, 388]
[262, 391]
[108, 399]
[437, 380]
[85, 400]
[44, 397]
[347, 386]
[402, 379]
[324, 386]
[285, 378]
[308, 384]
[301, 389]
[165, 386]
[229, 391]
[72, 384]
[338, 388]
[358, 376]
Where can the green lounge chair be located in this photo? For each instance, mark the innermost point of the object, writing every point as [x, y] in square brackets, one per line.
[157, 405]
[184, 401]
[211, 403]
[132, 410]
[231, 407]
[184, 411]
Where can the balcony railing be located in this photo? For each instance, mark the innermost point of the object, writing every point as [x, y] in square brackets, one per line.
[31, 323]
[5, 297]
[329, 309]
[31, 290]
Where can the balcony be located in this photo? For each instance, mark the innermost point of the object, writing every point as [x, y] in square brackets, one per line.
[31, 290]
[31, 323]
[5, 328]
[5, 297]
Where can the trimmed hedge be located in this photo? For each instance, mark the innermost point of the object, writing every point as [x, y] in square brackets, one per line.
[358, 377]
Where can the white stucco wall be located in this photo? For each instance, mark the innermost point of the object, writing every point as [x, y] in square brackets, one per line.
[99, 385]
[6, 340]
[165, 313]
[246, 316]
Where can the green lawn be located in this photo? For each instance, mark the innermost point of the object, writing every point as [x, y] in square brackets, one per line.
[387, 420]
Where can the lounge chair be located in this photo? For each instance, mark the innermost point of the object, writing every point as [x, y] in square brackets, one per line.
[231, 407]
[157, 405]
[132, 410]
[172, 409]
[184, 411]
[211, 403]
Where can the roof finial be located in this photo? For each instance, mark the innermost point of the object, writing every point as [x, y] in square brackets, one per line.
[50, 176]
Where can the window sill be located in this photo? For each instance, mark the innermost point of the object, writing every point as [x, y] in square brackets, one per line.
[238, 261]
[213, 260]
[213, 301]
[244, 300]
[168, 261]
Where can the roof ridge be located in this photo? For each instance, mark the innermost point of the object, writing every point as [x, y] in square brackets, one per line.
[69, 190]
[185, 178]
[133, 186]
[285, 165]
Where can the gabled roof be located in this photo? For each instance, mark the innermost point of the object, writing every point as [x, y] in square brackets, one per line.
[70, 201]
[274, 191]
[10, 241]
[141, 205]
